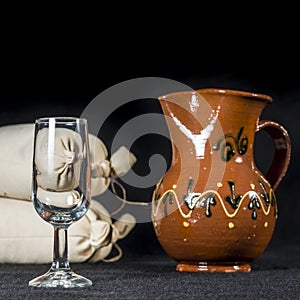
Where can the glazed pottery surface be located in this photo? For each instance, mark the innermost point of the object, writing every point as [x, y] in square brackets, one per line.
[214, 210]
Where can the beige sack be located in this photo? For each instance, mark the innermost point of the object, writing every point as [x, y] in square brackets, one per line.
[26, 238]
[16, 150]
[59, 171]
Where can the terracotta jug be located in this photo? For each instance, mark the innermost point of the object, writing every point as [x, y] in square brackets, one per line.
[214, 210]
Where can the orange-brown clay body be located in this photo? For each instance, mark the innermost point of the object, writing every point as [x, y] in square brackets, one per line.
[214, 211]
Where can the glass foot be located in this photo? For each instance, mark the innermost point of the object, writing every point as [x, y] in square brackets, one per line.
[60, 279]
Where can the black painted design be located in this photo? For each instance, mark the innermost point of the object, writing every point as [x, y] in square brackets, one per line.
[208, 199]
[264, 195]
[234, 199]
[253, 205]
[191, 198]
[206, 202]
[229, 148]
[268, 198]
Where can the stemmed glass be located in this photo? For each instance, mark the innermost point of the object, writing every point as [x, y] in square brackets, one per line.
[61, 189]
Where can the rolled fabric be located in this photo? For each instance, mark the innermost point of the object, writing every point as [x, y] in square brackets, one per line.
[103, 170]
[26, 238]
[16, 153]
[59, 171]
[16, 150]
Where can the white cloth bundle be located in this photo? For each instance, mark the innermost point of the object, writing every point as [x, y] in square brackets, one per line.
[16, 150]
[24, 236]
[60, 171]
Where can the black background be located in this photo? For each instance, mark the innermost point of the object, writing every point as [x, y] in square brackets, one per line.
[56, 80]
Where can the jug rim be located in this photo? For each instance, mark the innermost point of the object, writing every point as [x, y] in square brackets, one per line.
[256, 96]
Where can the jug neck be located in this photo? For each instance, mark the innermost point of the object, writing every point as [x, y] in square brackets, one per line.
[224, 117]
[236, 109]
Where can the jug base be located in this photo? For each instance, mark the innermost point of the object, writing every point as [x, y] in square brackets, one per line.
[212, 268]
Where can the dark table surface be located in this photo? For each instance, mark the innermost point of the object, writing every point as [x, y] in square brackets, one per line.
[275, 275]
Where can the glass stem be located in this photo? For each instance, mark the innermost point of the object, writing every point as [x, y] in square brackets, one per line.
[60, 250]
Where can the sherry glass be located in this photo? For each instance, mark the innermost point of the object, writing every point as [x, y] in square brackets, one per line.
[61, 190]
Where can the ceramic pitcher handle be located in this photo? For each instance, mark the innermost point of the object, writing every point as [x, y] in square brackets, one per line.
[282, 154]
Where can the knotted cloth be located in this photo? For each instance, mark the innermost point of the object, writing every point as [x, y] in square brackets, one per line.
[24, 236]
[16, 151]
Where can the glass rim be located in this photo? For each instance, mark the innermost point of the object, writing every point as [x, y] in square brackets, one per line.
[60, 119]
